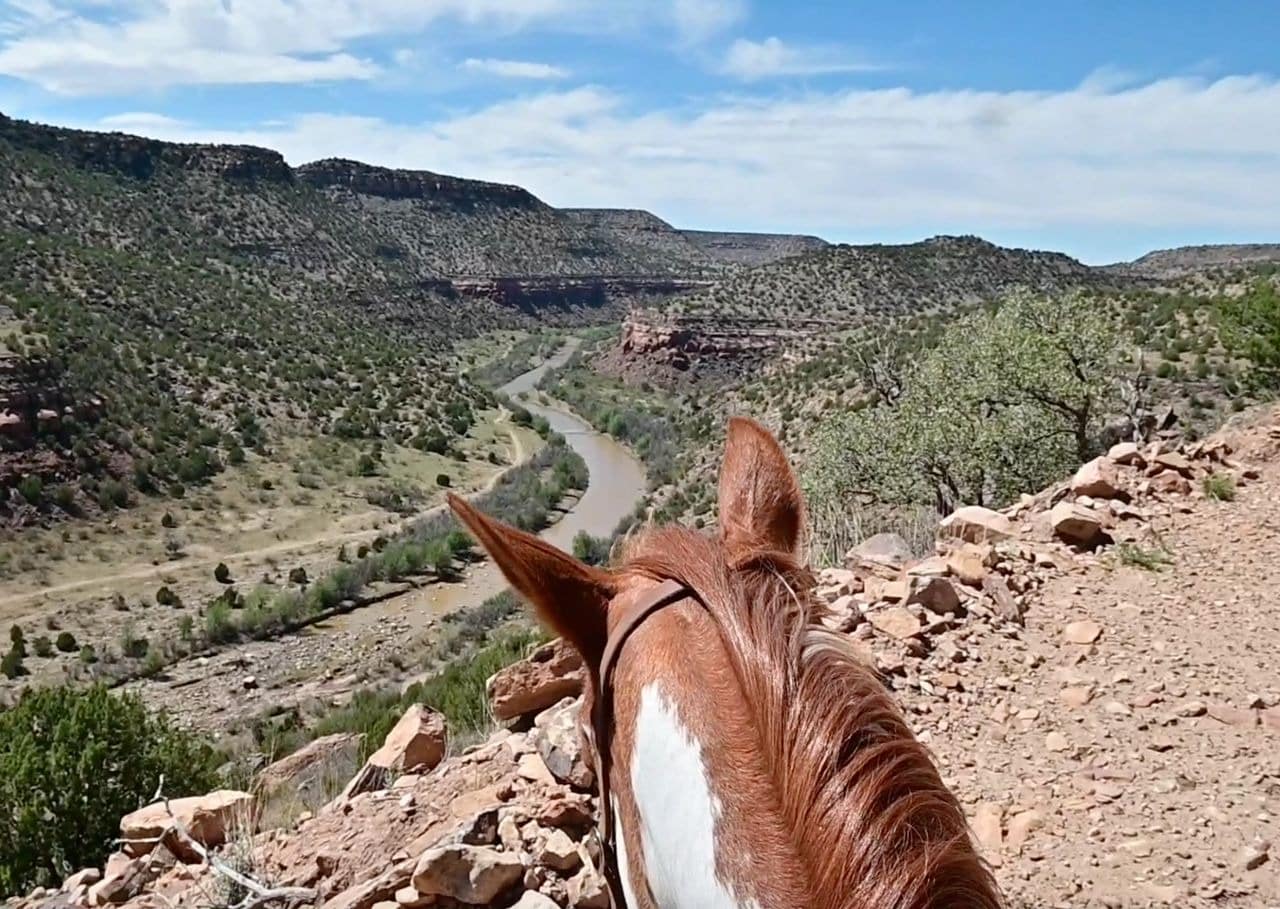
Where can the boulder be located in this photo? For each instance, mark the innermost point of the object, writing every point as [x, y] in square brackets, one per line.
[969, 562]
[1171, 460]
[1076, 524]
[587, 890]
[976, 524]
[552, 672]
[1126, 453]
[555, 736]
[1098, 479]
[311, 760]
[559, 852]
[532, 899]
[935, 594]
[475, 875]
[123, 878]
[416, 743]
[207, 819]
[885, 554]
[896, 621]
[1171, 482]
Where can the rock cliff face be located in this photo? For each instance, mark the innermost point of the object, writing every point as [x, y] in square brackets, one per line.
[539, 294]
[437, 189]
[806, 300]
[752, 249]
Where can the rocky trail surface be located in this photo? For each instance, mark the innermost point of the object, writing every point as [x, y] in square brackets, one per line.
[1094, 669]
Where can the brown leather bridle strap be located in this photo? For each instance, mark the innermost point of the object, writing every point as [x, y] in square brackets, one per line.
[665, 594]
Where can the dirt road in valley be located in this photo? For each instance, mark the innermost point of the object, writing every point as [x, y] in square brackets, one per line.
[327, 660]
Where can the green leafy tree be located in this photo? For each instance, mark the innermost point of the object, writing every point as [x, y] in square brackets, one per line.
[1251, 328]
[1006, 400]
[72, 762]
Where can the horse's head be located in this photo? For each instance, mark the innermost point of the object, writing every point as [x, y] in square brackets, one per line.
[761, 510]
[750, 759]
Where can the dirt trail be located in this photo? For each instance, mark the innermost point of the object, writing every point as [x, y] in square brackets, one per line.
[1143, 769]
[104, 583]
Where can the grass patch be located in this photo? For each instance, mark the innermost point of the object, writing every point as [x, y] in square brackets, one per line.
[1219, 486]
[1135, 556]
[457, 690]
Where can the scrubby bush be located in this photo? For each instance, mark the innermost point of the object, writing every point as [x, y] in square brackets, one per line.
[442, 479]
[72, 762]
[66, 642]
[1007, 400]
[1251, 329]
[30, 488]
[43, 647]
[592, 550]
[222, 574]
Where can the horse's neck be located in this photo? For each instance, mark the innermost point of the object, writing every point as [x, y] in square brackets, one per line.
[678, 812]
[705, 831]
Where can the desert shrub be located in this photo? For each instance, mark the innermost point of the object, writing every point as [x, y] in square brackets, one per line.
[11, 666]
[457, 690]
[1251, 329]
[298, 576]
[72, 762]
[166, 597]
[66, 642]
[442, 479]
[1007, 400]
[112, 494]
[1220, 486]
[30, 488]
[222, 574]
[42, 647]
[589, 549]
[64, 496]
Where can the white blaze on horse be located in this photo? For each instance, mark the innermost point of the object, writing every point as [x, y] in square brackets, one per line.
[748, 756]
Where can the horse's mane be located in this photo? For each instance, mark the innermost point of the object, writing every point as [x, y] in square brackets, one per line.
[859, 795]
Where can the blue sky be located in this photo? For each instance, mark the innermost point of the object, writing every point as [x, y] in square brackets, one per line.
[1101, 129]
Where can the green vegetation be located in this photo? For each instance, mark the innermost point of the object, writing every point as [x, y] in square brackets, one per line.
[1007, 400]
[1219, 486]
[1148, 559]
[72, 762]
[1252, 326]
[523, 354]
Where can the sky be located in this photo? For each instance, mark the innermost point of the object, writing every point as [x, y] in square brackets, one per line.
[1099, 129]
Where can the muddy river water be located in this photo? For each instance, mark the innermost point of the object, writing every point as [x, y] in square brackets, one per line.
[326, 660]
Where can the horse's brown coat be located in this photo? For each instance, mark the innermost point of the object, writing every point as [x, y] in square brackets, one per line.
[827, 801]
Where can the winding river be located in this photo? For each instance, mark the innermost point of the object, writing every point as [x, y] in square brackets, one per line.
[325, 661]
[616, 481]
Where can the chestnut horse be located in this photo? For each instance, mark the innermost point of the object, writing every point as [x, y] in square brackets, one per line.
[753, 758]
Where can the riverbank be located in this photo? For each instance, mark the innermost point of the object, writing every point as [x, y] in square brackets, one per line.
[383, 641]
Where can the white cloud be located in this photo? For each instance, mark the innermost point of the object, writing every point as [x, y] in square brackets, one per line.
[514, 69]
[697, 20]
[1165, 155]
[751, 60]
[72, 48]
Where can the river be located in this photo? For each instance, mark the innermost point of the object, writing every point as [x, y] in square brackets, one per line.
[325, 661]
[616, 481]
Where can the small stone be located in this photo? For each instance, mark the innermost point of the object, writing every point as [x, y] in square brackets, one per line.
[249, 683]
[1021, 826]
[1056, 741]
[469, 874]
[976, 524]
[1082, 632]
[896, 622]
[1192, 709]
[559, 852]
[986, 827]
[1126, 453]
[1232, 716]
[1075, 696]
[1076, 524]
[1255, 855]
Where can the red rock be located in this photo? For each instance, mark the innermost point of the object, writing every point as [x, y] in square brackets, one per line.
[1076, 524]
[1126, 453]
[976, 524]
[1083, 632]
[1233, 716]
[207, 819]
[896, 622]
[1098, 479]
[934, 593]
[969, 563]
[551, 673]
[416, 743]
[470, 874]
[885, 554]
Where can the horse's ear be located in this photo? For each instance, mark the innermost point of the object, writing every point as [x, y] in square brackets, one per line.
[570, 597]
[761, 506]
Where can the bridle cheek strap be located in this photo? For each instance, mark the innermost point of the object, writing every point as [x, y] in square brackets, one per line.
[665, 594]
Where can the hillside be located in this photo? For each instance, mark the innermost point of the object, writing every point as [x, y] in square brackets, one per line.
[802, 300]
[1188, 260]
[1105, 709]
[166, 308]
